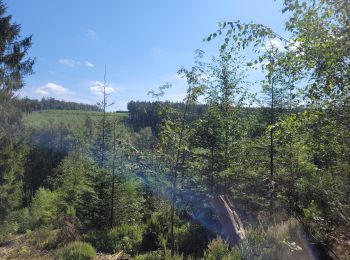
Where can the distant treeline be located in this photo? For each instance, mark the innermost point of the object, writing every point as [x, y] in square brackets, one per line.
[149, 114]
[29, 105]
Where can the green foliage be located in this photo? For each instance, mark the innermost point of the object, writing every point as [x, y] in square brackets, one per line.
[191, 239]
[14, 66]
[71, 179]
[154, 255]
[159, 255]
[44, 208]
[126, 237]
[99, 240]
[56, 178]
[157, 228]
[285, 240]
[22, 218]
[7, 229]
[144, 139]
[312, 212]
[77, 250]
[217, 249]
[43, 238]
[29, 105]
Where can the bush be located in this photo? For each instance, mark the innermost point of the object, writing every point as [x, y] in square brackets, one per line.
[44, 207]
[43, 238]
[16, 222]
[21, 218]
[191, 239]
[69, 227]
[99, 240]
[126, 237]
[6, 230]
[217, 249]
[157, 227]
[77, 251]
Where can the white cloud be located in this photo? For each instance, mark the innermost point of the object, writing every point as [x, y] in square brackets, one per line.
[69, 62]
[275, 44]
[88, 64]
[91, 34]
[294, 45]
[75, 63]
[97, 88]
[51, 88]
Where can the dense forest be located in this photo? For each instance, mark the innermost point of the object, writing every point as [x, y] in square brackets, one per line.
[28, 105]
[225, 174]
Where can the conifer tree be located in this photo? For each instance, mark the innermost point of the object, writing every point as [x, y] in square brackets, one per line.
[14, 65]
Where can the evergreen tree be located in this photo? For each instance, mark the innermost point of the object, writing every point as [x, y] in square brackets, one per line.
[14, 65]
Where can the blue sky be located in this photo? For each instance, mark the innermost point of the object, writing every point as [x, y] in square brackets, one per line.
[142, 43]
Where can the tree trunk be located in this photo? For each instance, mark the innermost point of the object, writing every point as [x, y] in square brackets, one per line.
[232, 227]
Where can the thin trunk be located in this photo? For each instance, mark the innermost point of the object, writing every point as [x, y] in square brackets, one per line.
[271, 131]
[175, 170]
[212, 182]
[272, 122]
[182, 170]
[113, 178]
[103, 121]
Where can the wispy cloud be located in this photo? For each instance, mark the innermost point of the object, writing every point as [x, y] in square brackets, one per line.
[51, 88]
[69, 62]
[75, 63]
[92, 35]
[88, 64]
[97, 88]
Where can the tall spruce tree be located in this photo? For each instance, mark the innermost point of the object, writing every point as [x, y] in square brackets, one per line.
[14, 65]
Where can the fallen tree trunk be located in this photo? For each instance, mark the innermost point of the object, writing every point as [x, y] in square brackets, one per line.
[232, 227]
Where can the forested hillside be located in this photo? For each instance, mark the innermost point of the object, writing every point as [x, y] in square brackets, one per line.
[224, 174]
[29, 105]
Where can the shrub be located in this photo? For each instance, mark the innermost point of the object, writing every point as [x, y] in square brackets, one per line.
[126, 237]
[77, 251]
[44, 207]
[191, 239]
[157, 227]
[99, 240]
[43, 238]
[69, 225]
[6, 230]
[21, 218]
[217, 249]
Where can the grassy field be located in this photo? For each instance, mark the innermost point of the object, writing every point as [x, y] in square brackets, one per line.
[67, 116]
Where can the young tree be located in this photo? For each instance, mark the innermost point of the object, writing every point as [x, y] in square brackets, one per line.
[104, 127]
[175, 133]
